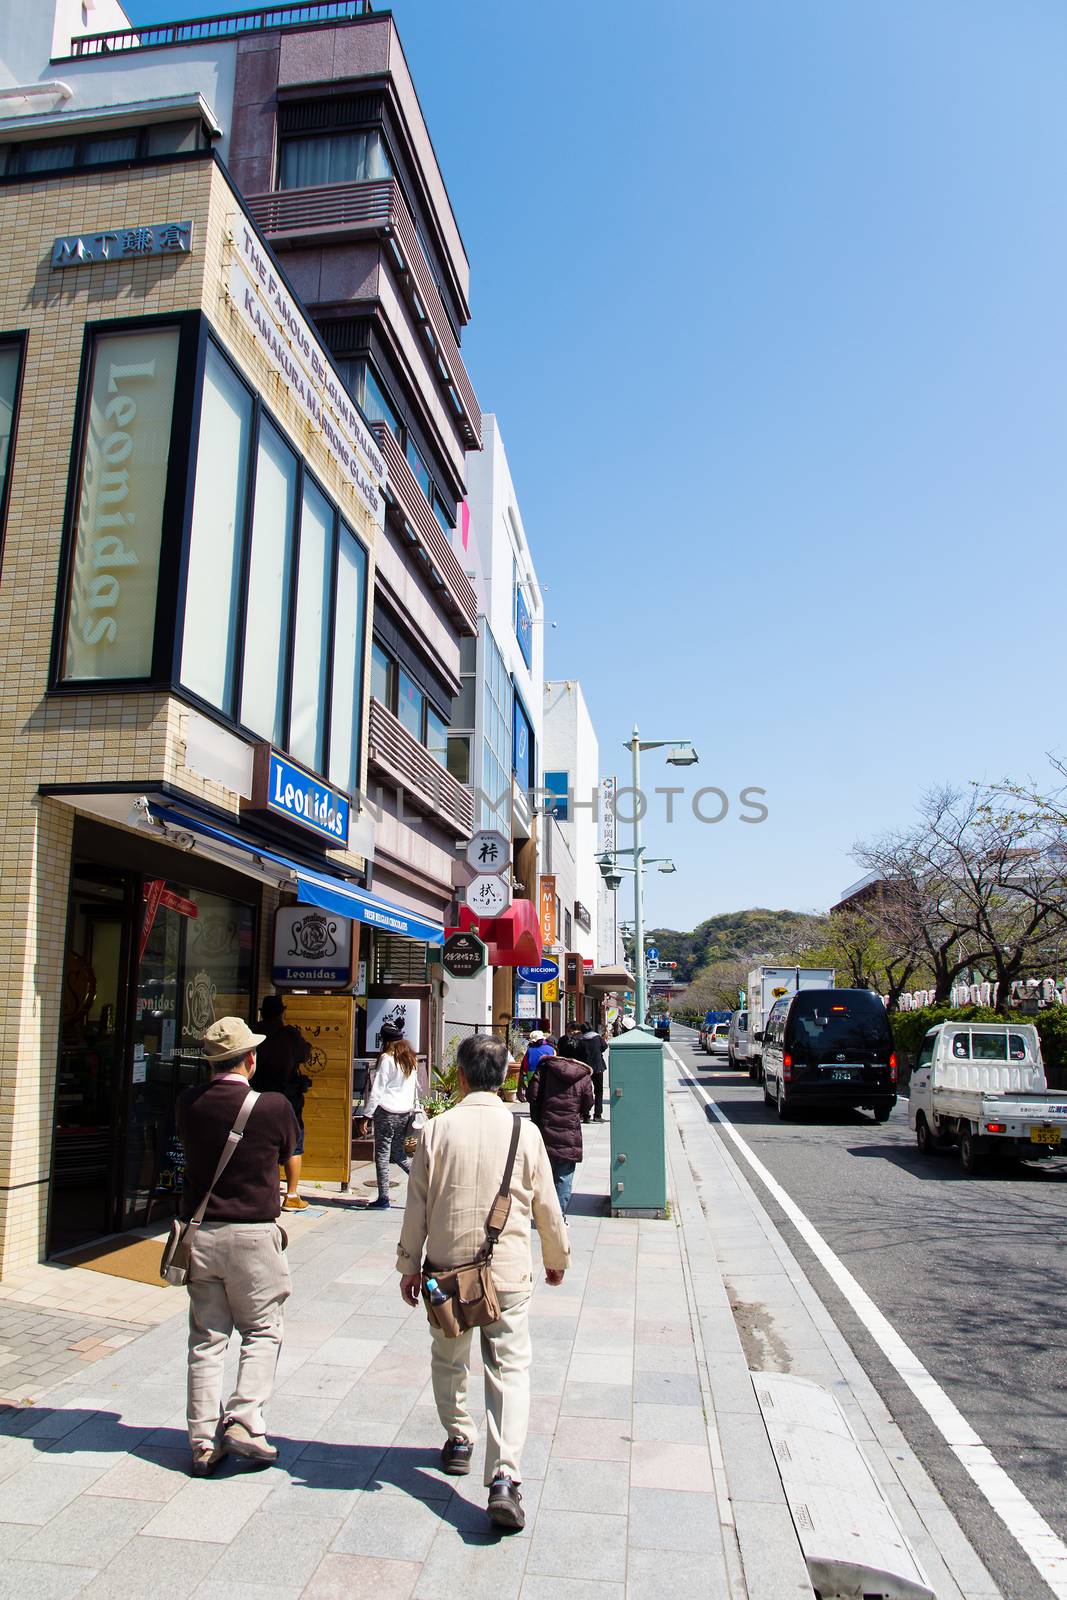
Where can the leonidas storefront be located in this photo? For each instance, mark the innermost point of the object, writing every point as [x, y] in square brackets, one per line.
[191, 507]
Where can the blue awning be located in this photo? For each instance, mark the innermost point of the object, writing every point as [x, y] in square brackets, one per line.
[315, 888]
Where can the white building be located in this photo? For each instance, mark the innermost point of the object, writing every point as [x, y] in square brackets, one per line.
[571, 774]
[496, 732]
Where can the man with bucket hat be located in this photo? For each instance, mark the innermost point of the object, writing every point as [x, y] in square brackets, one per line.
[238, 1274]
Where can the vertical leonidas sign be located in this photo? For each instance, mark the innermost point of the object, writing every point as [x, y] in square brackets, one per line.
[119, 515]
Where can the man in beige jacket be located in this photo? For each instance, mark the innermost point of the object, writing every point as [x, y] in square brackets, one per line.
[455, 1175]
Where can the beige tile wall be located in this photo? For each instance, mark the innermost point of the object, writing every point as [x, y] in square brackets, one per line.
[99, 738]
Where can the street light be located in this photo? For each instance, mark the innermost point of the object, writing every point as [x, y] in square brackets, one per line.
[680, 753]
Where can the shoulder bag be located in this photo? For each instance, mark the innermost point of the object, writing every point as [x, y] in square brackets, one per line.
[465, 1297]
[174, 1265]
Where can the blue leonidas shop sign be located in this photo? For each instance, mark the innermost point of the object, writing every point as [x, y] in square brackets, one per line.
[542, 974]
[294, 794]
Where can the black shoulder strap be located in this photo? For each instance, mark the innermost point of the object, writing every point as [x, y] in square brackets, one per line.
[501, 1207]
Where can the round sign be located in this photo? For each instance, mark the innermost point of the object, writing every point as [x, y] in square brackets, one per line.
[542, 974]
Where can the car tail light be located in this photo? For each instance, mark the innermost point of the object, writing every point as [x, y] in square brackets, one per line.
[893, 1066]
[996, 1127]
[787, 1067]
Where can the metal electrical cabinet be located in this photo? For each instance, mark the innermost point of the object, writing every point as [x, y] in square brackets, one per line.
[638, 1145]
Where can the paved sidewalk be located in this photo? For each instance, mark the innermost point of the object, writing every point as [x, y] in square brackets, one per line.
[621, 1472]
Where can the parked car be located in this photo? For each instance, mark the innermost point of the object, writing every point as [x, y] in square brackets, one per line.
[710, 1019]
[718, 1042]
[738, 1043]
[829, 1049]
[981, 1086]
[769, 984]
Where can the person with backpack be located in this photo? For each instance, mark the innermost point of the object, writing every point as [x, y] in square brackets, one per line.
[561, 1096]
[538, 1046]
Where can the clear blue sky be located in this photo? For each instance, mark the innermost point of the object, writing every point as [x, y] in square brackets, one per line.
[769, 297]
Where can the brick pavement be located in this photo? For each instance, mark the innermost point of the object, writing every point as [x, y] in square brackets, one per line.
[39, 1349]
[620, 1474]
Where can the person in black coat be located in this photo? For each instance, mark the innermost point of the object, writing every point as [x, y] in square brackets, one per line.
[561, 1096]
[595, 1053]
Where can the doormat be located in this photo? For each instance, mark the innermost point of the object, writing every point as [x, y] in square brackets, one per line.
[129, 1255]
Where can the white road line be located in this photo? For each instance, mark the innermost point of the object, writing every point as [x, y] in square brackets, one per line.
[1041, 1543]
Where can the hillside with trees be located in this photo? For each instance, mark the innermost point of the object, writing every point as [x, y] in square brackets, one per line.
[715, 958]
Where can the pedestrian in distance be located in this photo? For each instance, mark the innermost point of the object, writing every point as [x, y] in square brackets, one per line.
[476, 1163]
[561, 1097]
[538, 1046]
[238, 1274]
[391, 1103]
[595, 1048]
[280, 1057]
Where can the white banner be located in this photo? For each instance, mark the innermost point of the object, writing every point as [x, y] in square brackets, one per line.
[268, 312]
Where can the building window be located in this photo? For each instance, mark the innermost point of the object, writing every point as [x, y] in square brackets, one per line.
[333, 158]
[441, 512]
[494, 804]
[346, 700]
[10, 367]
[558, 784]
[382, 675]
[419, 468]
[409, 704]
[269, 571]
[118, 521]
[212, 585]
[459, 756]
[368, 389]
[523, 759]
[437, 736]
[307, 719]
[95, 149]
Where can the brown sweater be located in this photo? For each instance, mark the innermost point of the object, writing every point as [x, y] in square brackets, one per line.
[248, 1190]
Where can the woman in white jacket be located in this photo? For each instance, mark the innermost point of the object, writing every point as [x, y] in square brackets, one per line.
[391, 1102]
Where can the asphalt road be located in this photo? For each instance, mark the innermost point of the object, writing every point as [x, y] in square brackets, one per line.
[972, 1273]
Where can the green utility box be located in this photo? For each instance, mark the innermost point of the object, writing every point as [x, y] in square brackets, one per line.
[638, 1145]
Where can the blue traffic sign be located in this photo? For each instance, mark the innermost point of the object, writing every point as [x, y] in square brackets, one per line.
[652, 953]
[545, 973]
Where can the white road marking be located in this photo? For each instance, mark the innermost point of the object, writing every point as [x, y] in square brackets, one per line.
[1041, 1543]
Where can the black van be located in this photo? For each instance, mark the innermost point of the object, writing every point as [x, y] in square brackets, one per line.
[829, 1048]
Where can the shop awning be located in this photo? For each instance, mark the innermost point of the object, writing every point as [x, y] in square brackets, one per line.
[609, 980]
[320, 889]
[514, 939]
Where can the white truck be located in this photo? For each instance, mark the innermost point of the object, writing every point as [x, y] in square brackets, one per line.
[765, 986]
[981, 1086]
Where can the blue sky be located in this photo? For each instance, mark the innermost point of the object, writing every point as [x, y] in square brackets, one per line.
[768, 296]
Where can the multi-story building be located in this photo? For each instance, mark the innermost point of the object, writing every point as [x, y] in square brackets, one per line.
[231, 593]
[571, 776]
[496, 728]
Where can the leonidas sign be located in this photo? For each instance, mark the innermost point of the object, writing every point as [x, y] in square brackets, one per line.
[287, 791]
[267, 310]
[119, 516]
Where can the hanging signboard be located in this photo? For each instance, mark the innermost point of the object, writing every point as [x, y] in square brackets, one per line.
[328, 1023]
[549, 933]
[540, 974]
[312, 948]
[464, 955]
[489, 851]
[488, 896]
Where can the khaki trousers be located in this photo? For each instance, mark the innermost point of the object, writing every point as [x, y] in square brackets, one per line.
[238, 1278]
[506, 1359]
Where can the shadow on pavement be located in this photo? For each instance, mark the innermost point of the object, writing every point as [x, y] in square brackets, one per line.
[308, 1463]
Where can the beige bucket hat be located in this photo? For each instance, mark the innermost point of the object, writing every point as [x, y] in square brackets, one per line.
[230, 1039]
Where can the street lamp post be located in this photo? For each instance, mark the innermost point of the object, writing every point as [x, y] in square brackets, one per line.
[681, 754]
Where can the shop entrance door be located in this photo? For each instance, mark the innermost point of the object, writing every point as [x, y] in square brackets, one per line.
[89, 1090]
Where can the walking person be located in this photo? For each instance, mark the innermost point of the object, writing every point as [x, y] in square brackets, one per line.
[391, 1103]
[561, 1095]
[238, 1274]
[278, 1062]
[595, 1048]
[538, 1046]
[466, 1158]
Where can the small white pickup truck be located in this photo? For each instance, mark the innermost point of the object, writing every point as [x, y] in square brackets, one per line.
[981, 1086]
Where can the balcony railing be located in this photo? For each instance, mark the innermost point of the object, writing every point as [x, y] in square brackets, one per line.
[199, 29]
[426, 784]
[426, 536]
[380, 208]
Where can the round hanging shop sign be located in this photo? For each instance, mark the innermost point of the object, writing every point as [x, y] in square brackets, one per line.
[545, 973]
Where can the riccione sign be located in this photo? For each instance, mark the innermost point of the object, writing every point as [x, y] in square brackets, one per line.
[269, 313]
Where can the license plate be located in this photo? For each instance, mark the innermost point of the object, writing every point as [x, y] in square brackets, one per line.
[842, 1074]
[1044, 1135]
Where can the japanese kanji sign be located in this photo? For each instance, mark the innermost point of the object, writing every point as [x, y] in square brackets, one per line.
[489, 851]
[489, 896]
[464, 955]
[123, 244]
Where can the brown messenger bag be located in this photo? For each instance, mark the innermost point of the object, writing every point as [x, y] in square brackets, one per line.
[469, 1294]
